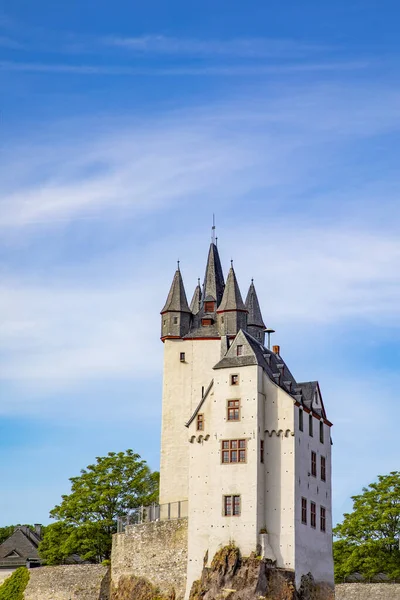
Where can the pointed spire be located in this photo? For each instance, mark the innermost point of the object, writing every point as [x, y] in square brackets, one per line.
[232, 298]
[176, 301]
[253, 306]
[196, 300]
[214, 284]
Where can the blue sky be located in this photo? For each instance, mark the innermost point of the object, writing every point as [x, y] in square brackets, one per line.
[124, 126]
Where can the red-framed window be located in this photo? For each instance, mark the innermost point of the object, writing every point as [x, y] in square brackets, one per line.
[304, 510]
[200, 422]
[233, 451]
[313, 464]
[323, 468]
[323, 518]
[232, 506]
[233, 410]
[209, 307]
[313, 514]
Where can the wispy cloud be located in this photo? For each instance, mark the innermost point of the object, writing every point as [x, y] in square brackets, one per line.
[181, 71]
[191, 47]
[6, 42]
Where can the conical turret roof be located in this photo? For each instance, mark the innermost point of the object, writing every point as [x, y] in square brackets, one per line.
[195, 303]
[176, 301]
[214, 284]
[253, 306]
[232, 298]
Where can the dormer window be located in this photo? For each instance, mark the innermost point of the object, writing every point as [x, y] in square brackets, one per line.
[239, 350]
[206, 322]
[209, 307]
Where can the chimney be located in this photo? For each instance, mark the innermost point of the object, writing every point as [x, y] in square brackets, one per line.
[276, 349]
[38, 530]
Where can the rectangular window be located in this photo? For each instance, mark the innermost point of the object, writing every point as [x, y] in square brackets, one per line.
[239, 350]
[313, 515]
[301, 420]
[323, 468]
[208, 307]
[323, 518]
[231, 506]
[262, 451]
[310, 425]
[175, 320]
[182, 357]
[233, 451]
[206, 322]
[233, 410]
[200, 422]
[321, 432]
[234, 379]
[313, 464]
[304, 511]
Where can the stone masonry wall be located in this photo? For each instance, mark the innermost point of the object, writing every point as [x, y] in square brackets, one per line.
[370, 591]
[80, 582]
[156, 551]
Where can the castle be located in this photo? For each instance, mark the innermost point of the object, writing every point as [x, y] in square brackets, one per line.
[243, 442]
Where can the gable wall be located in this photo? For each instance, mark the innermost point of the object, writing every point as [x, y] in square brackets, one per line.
[19, 542]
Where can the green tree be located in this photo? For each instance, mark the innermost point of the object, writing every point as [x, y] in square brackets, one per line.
[14, 587]
[87, 517]
[368, 538]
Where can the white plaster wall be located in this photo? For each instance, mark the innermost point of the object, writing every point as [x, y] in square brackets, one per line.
[279, 473]
[313, 547]
[209, 480]
[182, 385]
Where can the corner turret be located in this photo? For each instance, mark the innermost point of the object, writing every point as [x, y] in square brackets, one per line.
[232, 313]
[255, 322]
[176, 314]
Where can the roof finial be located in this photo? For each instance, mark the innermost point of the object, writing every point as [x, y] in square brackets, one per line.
[252, 280]
[213, 239]
[231, 263]
[179, 262]
[198, 281]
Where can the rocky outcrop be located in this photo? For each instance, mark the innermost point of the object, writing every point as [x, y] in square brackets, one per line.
[368, 591]
[235, 578]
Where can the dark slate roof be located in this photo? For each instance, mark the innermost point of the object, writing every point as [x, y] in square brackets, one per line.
[232, 298]
[176, 301]
[19, 547]
[214, 283]
[309, 389]
[253, 307]
[196, 300]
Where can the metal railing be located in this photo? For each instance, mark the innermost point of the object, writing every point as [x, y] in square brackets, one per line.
[153, 512]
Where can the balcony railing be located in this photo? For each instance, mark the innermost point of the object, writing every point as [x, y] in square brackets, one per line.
[154, 512]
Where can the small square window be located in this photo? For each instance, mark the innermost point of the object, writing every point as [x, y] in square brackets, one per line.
[209, 307]
[175, 320]
[231, 506]
[233, 410]
[234, 379]
[200, 422]
[239, 350]
[206, 322]
[182, 357]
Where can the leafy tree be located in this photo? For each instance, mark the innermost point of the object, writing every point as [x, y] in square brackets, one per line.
[14, 586]
[87, 517]
[369, 536]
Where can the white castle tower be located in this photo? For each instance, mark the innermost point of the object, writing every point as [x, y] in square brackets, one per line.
[242, 441]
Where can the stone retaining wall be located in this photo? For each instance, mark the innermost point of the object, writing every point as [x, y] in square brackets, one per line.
[80, 582]
[367, 591]
[156, 551]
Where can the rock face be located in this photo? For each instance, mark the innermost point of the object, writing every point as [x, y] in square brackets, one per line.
[236, 578]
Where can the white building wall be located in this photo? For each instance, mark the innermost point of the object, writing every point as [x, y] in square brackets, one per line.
[279, 473]
[182, 392]
[210, 480]
[313, 547]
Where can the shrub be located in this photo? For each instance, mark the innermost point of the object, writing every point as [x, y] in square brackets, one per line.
[14, 587]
